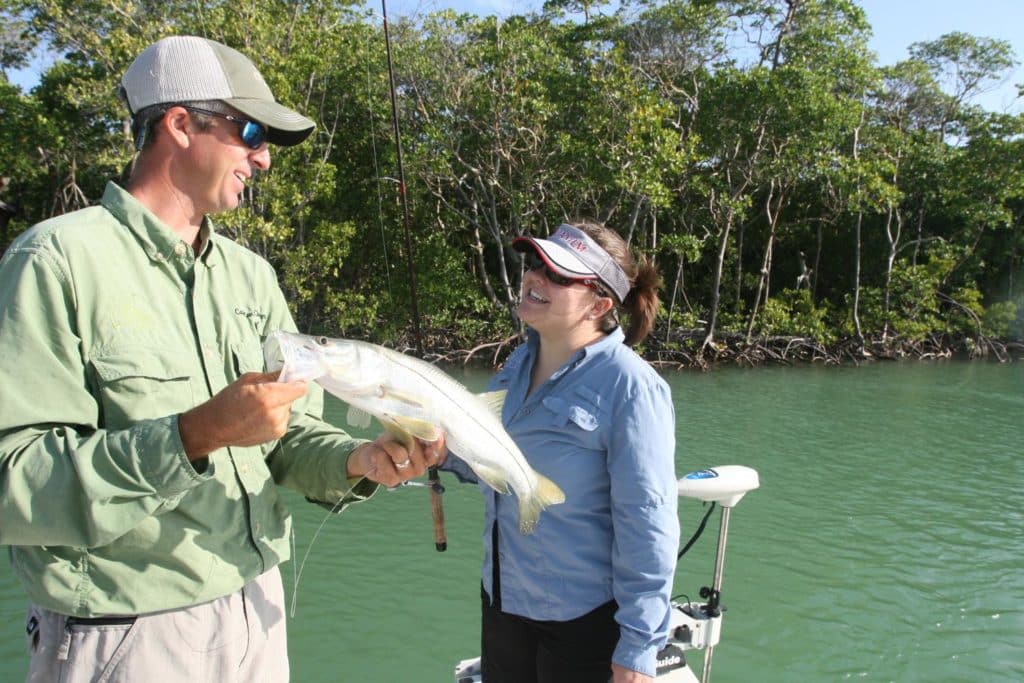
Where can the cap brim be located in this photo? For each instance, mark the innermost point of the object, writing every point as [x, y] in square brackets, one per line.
[285, 127]
[558, 258]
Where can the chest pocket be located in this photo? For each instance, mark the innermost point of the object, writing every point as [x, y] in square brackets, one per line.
[138, 383]
[247, 356]
[580, 413]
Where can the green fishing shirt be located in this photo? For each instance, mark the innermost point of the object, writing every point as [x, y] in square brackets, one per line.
[110, 327]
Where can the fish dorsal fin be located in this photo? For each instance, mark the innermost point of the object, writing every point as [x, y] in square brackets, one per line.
[357, 417]
[494, 400]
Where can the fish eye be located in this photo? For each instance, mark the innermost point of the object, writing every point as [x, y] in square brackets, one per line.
[322, 341]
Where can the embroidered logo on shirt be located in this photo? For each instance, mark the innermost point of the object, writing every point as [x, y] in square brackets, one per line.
[255, 316]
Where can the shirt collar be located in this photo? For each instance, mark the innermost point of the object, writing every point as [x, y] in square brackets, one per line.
[603, 345]
[159, 241]
[206, 241]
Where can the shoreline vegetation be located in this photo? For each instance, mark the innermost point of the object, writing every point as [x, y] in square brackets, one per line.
[684, 352]
[802, 202]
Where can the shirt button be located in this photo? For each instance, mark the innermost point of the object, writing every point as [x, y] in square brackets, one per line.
[179, 248]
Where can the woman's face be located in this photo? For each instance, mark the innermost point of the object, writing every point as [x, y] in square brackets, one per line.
[552, 308]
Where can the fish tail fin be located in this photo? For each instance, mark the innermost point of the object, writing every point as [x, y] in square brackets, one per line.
[547, 493]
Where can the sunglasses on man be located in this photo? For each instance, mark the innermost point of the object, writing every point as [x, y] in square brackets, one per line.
[252, 133]
[534, 262]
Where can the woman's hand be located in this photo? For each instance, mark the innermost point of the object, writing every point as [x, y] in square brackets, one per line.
[621, 674]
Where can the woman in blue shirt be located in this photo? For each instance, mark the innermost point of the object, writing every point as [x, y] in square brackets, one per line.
[585, 596]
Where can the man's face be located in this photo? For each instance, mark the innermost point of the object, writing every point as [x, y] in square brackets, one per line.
[222, 165]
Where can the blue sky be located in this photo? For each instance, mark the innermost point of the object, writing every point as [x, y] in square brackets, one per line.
[898, 23]
[895, 23]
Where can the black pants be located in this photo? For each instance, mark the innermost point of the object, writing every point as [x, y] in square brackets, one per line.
[515, 649]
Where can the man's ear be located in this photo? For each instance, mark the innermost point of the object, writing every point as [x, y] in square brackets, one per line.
[176, 124]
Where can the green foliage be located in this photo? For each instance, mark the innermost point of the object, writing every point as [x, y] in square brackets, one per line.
[914, 307]
[1004, 320]
[648, 119]
[967, 312]
[793, 313]
[685, 320]
[23, 127]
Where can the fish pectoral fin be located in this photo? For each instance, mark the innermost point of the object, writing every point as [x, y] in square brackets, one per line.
[547, 493]
[493, 477]
[357, 417]
[494, 400]
[421, 429]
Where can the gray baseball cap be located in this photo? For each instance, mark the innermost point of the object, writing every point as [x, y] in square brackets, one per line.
[571, 253]
[194, 69]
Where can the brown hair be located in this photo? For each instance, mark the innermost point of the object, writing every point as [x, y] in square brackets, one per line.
[144, 121]
[641, 303]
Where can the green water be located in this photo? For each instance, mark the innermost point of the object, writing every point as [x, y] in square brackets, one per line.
[886, 542]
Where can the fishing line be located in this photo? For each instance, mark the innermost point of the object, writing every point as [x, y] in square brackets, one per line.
[297, 572]
[376, 165]
[333, 512]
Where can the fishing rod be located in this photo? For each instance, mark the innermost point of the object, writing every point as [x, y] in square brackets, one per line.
[436, 488]
[403, 198]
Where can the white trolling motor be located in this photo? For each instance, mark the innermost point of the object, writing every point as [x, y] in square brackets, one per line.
[696, 625]
[692, 625]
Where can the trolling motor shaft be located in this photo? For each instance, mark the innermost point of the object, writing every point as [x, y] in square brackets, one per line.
[694, 625]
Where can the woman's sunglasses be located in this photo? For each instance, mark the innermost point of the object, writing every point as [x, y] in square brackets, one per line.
[534, 262]
[252, 133]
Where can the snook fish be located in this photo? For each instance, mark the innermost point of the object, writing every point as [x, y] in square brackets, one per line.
[412, 398]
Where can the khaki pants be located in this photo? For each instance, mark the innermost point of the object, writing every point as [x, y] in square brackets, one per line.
[237, 638]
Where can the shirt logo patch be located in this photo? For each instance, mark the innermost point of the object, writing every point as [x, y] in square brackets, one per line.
[255, 316]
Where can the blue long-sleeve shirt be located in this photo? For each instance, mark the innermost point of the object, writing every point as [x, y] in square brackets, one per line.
[603, 429]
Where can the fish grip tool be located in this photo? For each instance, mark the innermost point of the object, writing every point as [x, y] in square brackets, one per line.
[437, 509]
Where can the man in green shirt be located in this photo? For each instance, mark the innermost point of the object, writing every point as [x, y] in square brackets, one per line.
[140, 440]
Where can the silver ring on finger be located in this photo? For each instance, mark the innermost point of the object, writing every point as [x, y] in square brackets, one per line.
[402, 465]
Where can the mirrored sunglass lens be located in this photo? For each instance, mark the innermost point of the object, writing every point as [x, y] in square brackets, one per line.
[253, 134]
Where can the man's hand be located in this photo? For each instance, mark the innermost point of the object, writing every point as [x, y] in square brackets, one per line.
[388, 462]
[253, 409]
